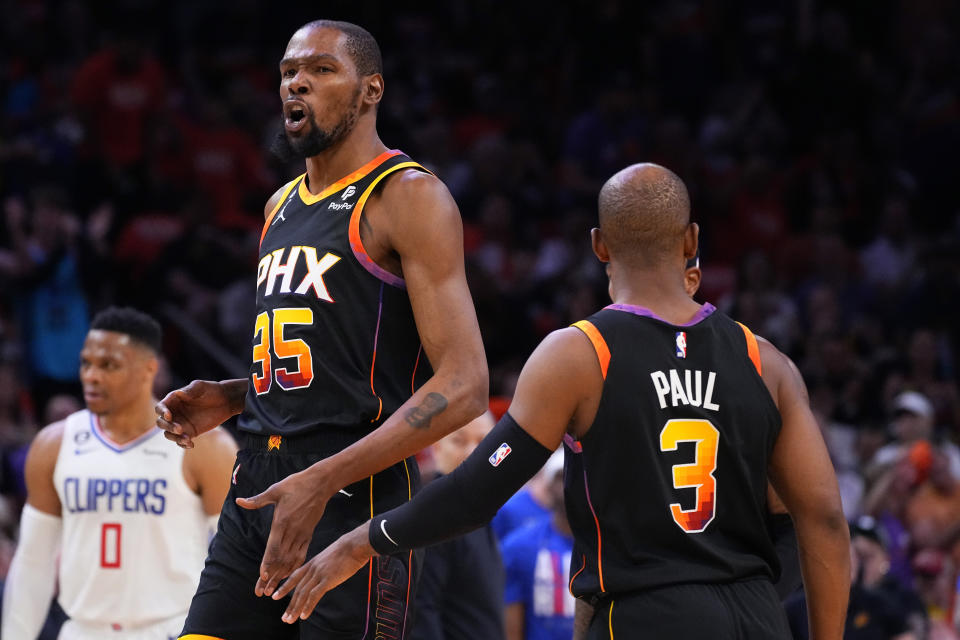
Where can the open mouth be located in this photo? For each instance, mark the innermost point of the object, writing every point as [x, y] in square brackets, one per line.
[295, 116]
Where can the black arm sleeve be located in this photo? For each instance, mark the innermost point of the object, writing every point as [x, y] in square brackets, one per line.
[466, 498]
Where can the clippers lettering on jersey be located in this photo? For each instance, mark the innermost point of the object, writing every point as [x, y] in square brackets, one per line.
[273, 267]
[500, 454]
[681, 344]
[105, 495]
[688, 391]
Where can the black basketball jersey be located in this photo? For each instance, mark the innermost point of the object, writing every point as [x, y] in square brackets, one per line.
[669, 484]
[334, 342]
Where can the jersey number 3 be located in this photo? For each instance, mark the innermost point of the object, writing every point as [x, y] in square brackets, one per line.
[302, 375]
[698, 475]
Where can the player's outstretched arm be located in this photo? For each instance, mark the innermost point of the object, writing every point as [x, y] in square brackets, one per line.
[32, 577]
[558, 387]
[198, 407]
[424, 229]
[803, 476]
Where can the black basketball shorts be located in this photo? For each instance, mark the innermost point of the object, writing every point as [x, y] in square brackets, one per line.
[748, 610]
[374, 603]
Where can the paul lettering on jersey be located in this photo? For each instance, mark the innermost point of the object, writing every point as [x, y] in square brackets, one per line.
[129, 495]
[686, 391]
[273, 268]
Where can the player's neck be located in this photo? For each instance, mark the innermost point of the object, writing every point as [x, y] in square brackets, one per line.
[341, 159]
[129, 423]
[660, 292]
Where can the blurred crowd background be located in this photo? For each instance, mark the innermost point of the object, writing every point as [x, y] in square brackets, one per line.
[818, 141]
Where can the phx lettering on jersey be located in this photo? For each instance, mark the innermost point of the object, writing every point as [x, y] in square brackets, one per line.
[129, 495]
[272, 267]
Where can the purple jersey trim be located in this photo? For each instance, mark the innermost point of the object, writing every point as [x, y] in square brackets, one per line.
[105, 440]
[705, 311]
[376, 270]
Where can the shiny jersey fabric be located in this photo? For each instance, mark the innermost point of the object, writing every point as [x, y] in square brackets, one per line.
[669, 484]
[335, 345]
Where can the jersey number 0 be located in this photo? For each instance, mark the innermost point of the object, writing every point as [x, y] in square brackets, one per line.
[698, 475]
[288, 379]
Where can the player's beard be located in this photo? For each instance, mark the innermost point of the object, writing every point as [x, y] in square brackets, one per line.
[316, 140]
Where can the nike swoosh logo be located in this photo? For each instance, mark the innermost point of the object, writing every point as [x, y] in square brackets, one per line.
[383, 527]
[80, 452]
[349, 495]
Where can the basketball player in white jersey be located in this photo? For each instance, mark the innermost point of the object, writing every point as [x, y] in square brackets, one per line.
[130, 516]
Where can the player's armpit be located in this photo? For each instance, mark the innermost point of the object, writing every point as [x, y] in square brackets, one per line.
[803, 476]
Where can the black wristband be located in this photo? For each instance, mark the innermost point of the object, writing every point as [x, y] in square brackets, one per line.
[466, 498]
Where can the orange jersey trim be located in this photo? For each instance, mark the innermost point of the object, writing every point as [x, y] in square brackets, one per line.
[599, 344]
[353, 234]
[194, 636]
[309, 198]
[753, 349]
[276, 207]
[582, 567]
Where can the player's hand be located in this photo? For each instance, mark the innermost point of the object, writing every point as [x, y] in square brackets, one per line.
[195, 409]
[299, 502]
[329, 568]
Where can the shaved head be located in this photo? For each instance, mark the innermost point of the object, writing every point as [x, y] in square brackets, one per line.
[644, 212]
[360, 45]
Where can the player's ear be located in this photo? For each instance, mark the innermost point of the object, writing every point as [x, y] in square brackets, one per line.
[691, 280]
[599, 246]
[151, 365]
[372, 89]
[691, 240]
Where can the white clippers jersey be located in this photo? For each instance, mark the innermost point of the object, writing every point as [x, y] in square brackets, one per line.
[134, 534]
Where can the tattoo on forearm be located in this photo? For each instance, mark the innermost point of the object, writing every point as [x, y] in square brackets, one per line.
[420, 416]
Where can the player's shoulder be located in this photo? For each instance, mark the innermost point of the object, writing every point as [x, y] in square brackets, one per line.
[780, 373]
[45, 447]
[415, 186]
[575, 345]
[51, 435]
[278, 196]
[773, 360]
[566, 362]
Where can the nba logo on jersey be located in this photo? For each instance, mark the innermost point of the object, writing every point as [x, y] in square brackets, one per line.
[500, 454]
[681, 344]
[349, 191]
